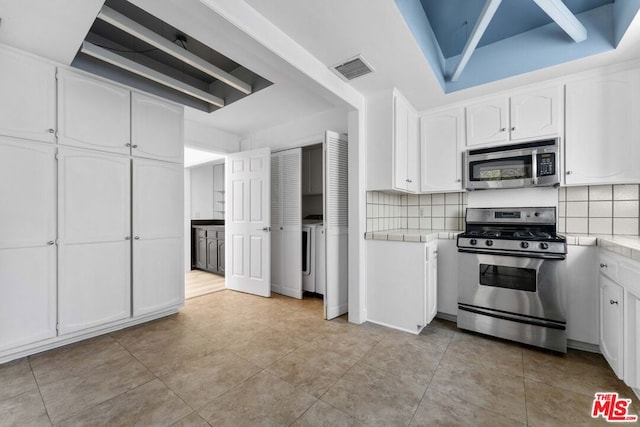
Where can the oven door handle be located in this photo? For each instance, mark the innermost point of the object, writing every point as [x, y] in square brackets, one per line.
[534, 167]
[499, 314]
[540, 255]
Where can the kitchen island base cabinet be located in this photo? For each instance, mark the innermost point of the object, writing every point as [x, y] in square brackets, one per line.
[400, 284]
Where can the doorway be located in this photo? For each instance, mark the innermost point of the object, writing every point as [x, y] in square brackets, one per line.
[204, 200]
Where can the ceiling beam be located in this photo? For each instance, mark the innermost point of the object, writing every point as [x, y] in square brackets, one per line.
[140, 32]
[148, 73]
[486, 15]
[560, 13]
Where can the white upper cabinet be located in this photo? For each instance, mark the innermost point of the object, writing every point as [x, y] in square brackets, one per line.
[488, 122]
[93, 114]
[392, 143]
[405, 145]
[536, 114]
[523, 116]
[602, 129]
[28, 88]
[157, 129]
[441, 145]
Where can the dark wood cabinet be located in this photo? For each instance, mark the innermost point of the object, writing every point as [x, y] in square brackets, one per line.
[209, 248]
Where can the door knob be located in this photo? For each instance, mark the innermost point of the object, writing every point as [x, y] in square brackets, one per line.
[603, 266]
[613, 302]
[264, 229]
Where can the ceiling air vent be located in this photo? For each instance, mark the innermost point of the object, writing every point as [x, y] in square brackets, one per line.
[353, 68]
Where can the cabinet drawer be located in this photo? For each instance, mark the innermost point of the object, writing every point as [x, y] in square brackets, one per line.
[608, 267]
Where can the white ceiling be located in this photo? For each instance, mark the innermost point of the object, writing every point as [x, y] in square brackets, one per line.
[334, 30]
[293, 95]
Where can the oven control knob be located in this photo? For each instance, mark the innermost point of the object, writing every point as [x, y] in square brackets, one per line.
[544, 245]
[524, 245]
[473, 241]
[489, 243]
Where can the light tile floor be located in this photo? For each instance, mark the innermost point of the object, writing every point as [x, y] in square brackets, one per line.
[232, 359]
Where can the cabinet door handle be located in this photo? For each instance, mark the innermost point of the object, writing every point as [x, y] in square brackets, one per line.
[137, 238]
[135, 145]
[513, 128]
[51, 242]
[603, 266]
[51, 130]
[569, 172]
[503, 129]
[128, 144]
[458, 180]
[613, 302]
[127, 237]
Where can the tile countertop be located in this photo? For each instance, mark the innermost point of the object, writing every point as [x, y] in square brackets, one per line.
[412, 235]
[627, 246]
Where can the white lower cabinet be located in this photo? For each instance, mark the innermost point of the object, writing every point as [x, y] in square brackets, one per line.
[158, 275]
[400, 284]
[95, 285]
[611, 303]
[27, 295]
[447, 278]
[620, 316]
[582, 296]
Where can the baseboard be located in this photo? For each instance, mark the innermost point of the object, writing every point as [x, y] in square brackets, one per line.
[446, 316]
[60, 341]
[584, 346]
[413, 332]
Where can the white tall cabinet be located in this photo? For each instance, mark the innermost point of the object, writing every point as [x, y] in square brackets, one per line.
[157, 230]
[94, 196]
[27, 242]
[72, 187]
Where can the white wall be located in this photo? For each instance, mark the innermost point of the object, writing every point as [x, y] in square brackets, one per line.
[309, 130]
[187, 220]
[199, 135]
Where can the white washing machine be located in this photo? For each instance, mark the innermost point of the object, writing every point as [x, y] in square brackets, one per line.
[313, 258]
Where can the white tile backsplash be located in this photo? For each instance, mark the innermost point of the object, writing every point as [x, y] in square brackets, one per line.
[428, 211]
[599, 209]
[601, 192]
[578, 209]
[625, 192]
[577, 194]
[626, 209]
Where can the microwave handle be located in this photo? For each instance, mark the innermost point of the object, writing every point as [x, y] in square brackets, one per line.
[534, 167]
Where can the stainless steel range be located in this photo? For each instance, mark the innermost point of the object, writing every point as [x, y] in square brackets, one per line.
[512, 276]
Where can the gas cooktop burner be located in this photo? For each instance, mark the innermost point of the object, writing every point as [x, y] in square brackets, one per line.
[520, 232]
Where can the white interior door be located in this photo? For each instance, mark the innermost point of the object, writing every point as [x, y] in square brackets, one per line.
[336, 223]
[287, 231]
[247, 222]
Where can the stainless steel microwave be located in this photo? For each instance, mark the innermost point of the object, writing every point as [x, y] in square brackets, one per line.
[531, 164]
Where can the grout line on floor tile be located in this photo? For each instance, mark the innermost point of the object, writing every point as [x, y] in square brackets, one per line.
[39, 392]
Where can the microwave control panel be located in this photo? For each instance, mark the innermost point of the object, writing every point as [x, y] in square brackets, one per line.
[546, 164]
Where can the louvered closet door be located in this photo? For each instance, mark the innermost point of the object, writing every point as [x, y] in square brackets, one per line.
[286, 207]
[336, 223]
